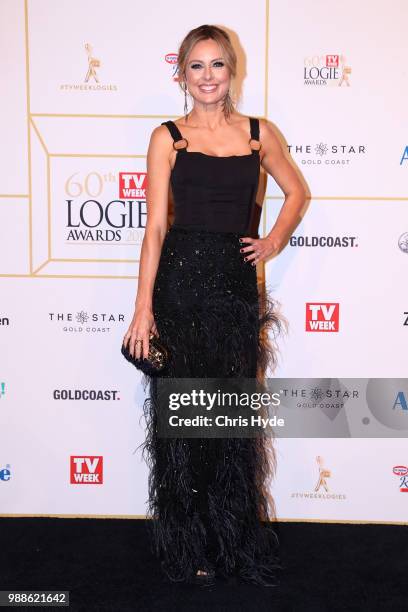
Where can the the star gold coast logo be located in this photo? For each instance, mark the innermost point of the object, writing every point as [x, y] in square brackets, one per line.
[326, 70]
[321, 488]
[327, 154]
[88, 322]
[92, 81]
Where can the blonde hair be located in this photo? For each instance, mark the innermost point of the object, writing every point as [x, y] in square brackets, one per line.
[204, 32]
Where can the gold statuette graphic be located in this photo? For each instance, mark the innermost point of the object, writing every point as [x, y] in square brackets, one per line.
[345, 72]
[323, 474]
[93, 63]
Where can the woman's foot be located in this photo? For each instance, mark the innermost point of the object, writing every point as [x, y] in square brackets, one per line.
[204, 578]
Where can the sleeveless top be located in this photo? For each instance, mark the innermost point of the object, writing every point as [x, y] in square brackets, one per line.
[214, 193]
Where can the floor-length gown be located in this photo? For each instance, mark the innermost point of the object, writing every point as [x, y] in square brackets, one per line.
[207, 497]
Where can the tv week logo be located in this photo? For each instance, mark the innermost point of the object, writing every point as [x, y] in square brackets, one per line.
[133, 185]
[322, 317]
[332, 61]
[86, 469]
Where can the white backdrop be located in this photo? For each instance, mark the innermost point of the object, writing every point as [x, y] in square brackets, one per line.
[335, 85]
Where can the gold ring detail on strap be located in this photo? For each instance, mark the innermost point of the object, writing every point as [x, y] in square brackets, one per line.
[177, 141]
[254, 140]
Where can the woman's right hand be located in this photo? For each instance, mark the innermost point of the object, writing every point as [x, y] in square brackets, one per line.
[141, 326]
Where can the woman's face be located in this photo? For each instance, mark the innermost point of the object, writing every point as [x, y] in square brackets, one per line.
[207, 74]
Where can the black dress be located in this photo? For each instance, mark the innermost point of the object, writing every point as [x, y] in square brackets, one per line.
[207, 497]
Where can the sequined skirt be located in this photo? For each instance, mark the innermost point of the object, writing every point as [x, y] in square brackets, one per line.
[205, 289]
[208, 497]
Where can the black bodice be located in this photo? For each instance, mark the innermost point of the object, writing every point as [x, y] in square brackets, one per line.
[214, 193]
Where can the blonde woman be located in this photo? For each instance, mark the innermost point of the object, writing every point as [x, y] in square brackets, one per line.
[198, 292]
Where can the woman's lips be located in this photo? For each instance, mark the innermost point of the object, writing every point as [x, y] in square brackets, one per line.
[208, 88]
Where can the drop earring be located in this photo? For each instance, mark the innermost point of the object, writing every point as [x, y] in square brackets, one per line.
[185, 99]
[228, 103]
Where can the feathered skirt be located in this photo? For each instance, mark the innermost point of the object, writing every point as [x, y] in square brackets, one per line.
[208, 497]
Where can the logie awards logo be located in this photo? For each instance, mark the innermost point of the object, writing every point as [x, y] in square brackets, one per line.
[321, 489]
[94, 215]
[91, 80]
[326, 70]
[93, 63]
[323, 475]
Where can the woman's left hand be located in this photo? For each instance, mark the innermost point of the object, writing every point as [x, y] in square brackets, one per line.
[259, 249]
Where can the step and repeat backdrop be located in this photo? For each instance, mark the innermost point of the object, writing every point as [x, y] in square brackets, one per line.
[84, 83]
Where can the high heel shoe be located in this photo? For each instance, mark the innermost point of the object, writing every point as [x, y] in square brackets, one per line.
[204, 580]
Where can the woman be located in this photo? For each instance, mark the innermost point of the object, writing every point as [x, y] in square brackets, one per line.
[198, 292]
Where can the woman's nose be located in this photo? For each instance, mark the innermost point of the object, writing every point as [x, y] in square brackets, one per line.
[208, 73]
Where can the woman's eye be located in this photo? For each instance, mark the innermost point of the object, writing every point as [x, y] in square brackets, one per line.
[218, 64]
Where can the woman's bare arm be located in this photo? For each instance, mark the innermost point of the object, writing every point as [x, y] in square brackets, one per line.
[279, 167]
[158, 176]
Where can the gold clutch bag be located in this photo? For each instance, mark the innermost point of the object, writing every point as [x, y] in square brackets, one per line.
[156, 360]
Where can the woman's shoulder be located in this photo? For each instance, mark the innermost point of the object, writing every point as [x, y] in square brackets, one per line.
[161, 138]
[164, 131]
[267, 129]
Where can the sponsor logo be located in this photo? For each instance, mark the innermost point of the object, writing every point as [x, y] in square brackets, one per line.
[91, 80]
[387, 400]
[5, 473]
[2, 389]
[323, 241]
[86, 394]
[172, 59]
[322, 317]
[326, 70]
[400, 402]
[93, 217]
[324, 154]
[86, 469]
[324, 397]
[88, 322]
[402, 472]
[321, 488]
[403, 242]
[133, 185]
